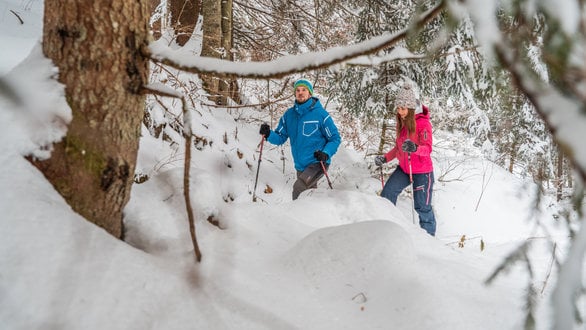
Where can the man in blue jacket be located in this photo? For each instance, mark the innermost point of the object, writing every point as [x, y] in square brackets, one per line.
[314, 136]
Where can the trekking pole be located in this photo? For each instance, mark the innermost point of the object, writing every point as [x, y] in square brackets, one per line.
[382, 180]
[258, 168]
[412, 188]
[323, 167]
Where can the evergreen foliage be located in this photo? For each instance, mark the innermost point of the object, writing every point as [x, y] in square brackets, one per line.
[461, 83]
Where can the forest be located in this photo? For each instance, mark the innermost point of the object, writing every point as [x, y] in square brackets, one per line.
[510, 76]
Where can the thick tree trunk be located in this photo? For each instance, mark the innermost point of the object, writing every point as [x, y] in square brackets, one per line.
[96, 46]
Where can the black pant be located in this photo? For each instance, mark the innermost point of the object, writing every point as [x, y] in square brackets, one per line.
[308, 178]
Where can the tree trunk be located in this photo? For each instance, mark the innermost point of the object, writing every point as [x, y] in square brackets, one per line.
[383, 135]
[512, 157]
[388, 114]
[184, 14]
[211, 43]
[217, 43]
[228, 86]
[96, 46]
[559, 180]
[157, 25]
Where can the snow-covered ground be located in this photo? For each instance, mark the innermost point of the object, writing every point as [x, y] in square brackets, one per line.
[340, 258]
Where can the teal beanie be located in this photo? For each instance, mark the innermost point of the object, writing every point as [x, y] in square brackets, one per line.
[305, 83]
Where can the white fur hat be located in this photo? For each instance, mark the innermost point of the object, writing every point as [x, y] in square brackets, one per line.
[406, 97]
[419, 108]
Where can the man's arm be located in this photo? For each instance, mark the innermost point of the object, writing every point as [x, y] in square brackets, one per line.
[279, 135]
[332, 136]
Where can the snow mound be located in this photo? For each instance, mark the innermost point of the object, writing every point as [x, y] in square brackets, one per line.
[159, 226]
[34, 104]
[387, 255]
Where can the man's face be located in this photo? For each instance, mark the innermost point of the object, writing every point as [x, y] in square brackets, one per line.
[301, 94]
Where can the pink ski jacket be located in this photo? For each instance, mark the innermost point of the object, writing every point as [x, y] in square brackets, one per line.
[420, 159]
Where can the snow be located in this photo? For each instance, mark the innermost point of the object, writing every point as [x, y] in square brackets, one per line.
[340, 258]
[285, 64]
[42, 118]
[20, 37]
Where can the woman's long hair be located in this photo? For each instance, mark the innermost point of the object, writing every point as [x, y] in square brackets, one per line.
[408, 122]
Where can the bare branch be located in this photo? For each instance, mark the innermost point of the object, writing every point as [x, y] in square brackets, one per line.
[17, 16]
[163, 90]
[288, 64]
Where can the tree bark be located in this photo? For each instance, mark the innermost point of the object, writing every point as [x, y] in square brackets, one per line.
[512, 157]
[211, 44]
[388, 113]
[157, 25]
[184, 14]
[383, 134]
[96, 46]
[559, 180]
[228, 86]
[217, 43]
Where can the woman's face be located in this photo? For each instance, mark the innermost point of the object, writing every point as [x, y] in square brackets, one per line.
[301, 94]
[403, 112]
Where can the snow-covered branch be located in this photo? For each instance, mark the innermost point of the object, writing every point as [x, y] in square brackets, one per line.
[290, 64]
[562, 114]
[559, 101]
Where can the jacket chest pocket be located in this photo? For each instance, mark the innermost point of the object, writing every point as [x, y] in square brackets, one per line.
[310, 127]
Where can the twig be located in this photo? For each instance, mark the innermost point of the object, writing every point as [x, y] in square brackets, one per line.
[187, 135]
[550, 267]
[17, 16]
[463, 239]
[262, 105]
[452, 166]
[484, 185]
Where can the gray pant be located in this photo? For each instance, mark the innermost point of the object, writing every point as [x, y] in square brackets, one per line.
[308, 178]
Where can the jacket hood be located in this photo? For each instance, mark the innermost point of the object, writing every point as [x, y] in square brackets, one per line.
[306, 106]
[424, 113]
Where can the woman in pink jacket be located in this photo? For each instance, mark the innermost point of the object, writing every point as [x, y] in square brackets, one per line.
[414, 156]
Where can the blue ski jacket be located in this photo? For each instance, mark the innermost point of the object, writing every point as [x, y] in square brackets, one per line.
[310, 128]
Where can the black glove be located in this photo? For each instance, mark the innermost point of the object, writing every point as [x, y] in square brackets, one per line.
[321, 156]
[379, 160]
[409, 146]
[265, 130]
